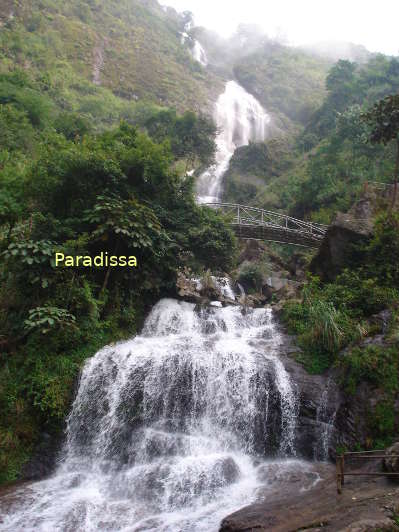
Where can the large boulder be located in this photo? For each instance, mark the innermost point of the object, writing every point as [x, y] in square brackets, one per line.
[344, 234]
[391, 460]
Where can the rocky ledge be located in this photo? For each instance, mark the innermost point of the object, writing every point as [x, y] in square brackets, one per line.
[364, 506]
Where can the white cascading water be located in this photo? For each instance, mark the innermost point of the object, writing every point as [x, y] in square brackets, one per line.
[167, 429]
[199, 53]
[240, 119]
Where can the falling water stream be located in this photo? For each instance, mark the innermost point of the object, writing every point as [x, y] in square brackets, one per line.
[240, 119]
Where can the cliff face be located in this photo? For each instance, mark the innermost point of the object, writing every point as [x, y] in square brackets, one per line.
[348, 230]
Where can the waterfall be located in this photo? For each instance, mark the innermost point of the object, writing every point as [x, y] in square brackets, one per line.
[325, 420]
[240, 119]
[169, 430]
[199, 53]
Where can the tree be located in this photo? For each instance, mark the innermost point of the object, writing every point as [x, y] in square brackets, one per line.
[117, 223]
[384, 120]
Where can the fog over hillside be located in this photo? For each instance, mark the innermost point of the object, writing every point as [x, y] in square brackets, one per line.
[304, 23]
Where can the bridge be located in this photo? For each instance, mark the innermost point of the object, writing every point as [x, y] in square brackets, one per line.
[259, 224]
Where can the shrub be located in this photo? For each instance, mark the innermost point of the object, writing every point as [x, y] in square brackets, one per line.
[375, 364]
[47, 318]
[251, 276]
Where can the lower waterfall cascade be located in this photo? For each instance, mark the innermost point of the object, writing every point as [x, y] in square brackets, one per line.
[170, 431]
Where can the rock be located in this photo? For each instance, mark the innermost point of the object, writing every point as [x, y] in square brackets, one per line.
[335, 252]
[207, 290]
[319, 399]
[348, 230]
[391, 462]
[228, 471]
[276, 283]
[371, 525]
[44, 457]
[188, 289]
[382, 320]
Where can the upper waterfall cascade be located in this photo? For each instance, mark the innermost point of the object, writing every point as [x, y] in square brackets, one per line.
[168, 430]
[240, 118]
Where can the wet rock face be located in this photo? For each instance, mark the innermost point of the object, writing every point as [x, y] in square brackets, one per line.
[44, 458]
[319, 400]
[204, 291]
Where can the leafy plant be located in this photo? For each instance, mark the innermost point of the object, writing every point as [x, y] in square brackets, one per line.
[44, 319]
[34, 258]
[384, 120]
[378, 365]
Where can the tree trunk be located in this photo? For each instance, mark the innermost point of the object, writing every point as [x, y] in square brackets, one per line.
[106, 279]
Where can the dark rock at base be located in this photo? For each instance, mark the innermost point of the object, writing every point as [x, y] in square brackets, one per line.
[228, 470]
[44, 458]
[335, 252]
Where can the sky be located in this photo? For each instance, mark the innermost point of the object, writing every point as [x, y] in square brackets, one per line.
[373, 23]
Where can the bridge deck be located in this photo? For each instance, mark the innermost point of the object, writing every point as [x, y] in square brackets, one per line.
[259, 224]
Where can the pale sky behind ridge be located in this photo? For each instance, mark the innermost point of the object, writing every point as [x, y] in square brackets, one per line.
[373, 23]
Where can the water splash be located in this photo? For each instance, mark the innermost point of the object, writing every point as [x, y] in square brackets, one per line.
[240, 119]
[168, 429]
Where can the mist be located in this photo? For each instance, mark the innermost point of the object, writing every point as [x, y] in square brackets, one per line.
[363, 22]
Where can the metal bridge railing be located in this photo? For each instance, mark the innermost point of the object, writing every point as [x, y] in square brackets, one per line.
[342, 459]
[245, 215]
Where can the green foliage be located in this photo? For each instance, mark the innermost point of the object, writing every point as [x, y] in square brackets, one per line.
[46, 318]
[382, 423]
[383, 118]
[72, 125]
[377, 365]
[31, 261]
[213, 241]
[29, 253]
[383, 250]
[117, 219]
[334, 315]
[191, 136]
[322, 328]
[251, 275]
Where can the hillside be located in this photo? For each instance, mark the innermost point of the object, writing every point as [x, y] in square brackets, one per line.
[132, 47]
[286, 81]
